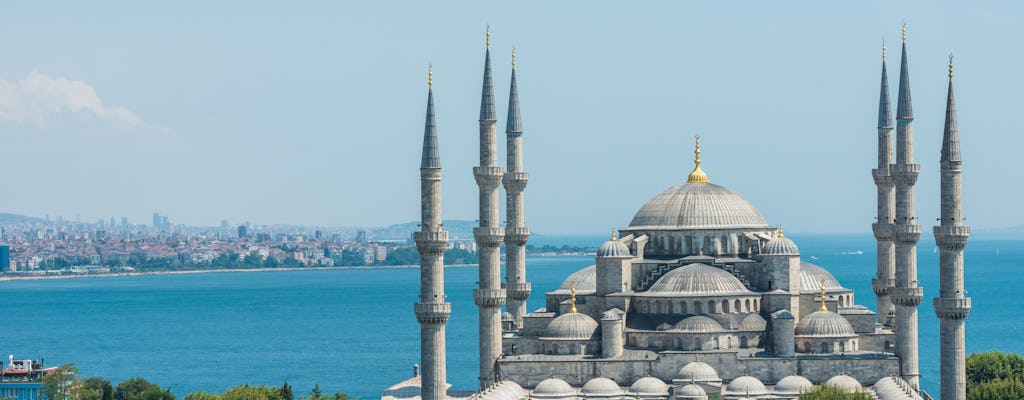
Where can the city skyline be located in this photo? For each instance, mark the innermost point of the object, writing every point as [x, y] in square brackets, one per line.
[275, 116]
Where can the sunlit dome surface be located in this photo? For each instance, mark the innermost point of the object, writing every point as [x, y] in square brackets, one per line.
[697, 206]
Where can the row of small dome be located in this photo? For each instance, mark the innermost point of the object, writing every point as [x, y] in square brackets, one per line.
[778, 246]
[650, 387]
[702, 324]
[703, 280]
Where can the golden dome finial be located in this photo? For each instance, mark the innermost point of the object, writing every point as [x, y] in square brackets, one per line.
[613, 235]
[697, 175]
[883, 49]
[572, 298]
[904, 31]
[430, 76]
[822, 308]
[780, 232]
[513, 57]
[487, 42]
[950, 66]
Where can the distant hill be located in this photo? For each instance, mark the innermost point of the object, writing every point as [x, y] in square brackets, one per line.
[457, 229]
[11, 219]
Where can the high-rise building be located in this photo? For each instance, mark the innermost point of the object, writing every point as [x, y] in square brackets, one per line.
[5, 258]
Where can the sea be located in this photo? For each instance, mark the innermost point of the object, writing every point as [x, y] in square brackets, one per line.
[353, 330]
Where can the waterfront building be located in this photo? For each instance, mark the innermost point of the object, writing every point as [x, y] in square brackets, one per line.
[699, 296]
[23, 379]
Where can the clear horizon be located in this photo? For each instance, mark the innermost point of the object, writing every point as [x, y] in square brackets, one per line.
[312, 114]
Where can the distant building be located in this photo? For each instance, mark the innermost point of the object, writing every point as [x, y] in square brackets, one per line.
[243, 231]
[5, 260]
[23, 380]
[361, 236]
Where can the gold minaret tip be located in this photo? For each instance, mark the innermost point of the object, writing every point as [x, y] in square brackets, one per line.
[904, 31]
[697, 175]
[822, 308]
[513, 57]
[487, 42]
[572, 298]
[950, 66]
[430, 76]
[883, 49]
[613, 235]
[780, 232]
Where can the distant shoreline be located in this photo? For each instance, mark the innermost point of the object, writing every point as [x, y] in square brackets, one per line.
[211, 271]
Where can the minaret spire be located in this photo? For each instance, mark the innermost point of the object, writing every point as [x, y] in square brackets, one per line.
[432, 310]
[906, 294]
[697, 175]
[886, 202]
[516, 232]
[952, 305]
[489, 297]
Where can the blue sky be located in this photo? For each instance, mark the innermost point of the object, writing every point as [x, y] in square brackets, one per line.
[312, 112]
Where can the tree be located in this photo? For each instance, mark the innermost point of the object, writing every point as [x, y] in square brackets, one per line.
[994, 375]
[246, 392]
[133, 389]
[96, 388]
[997, 390]
[58, 384]
[286, 391]
[826, 392]
[201, 395]
[156, 393]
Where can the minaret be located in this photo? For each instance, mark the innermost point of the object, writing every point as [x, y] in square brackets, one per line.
[906, 295]
[882, 228]
[516, 232]
[432, 311]
[490, 296]
[951, 234]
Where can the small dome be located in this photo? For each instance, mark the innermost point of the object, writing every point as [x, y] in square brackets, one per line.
[649, 386]
[610, 316]
[698, 372]
[746, 386]
[553, 388]
[601, 387]
[753, 322]
[692, 391]
[664, 326]
[698, 323]
[783, 314]
[571, 326]
[506, 316]
[697, 280]
[613, 248]
[824, 324]
[845, 382]
[697, 206]
[792, 385]
[584, 279]
[780, 246]
[811, 277]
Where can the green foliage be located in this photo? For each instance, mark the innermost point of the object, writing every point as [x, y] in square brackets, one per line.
[286, 391]
[156, 393]
[825, 392]
[997, 390]
[135, 388]
[96, 388]
[58, 384]
[246, 392]
[201, 395]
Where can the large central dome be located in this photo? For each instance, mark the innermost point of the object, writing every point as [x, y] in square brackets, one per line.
[697, 205]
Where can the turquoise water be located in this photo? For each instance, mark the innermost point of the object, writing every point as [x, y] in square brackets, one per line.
[354, 331]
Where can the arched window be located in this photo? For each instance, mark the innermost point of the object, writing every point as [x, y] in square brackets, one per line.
[717, 345]
[737, 306]
[725, 306]
[825, 348]
[711, 306]
[682, 307]
[748, 309]
[743, 342]
[697, 308]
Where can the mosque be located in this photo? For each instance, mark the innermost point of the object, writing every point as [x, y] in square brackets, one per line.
[699, 297]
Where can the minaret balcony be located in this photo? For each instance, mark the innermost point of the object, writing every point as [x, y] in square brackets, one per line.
[517, 235]
[882, 177]
[489, 298]
[518, 291]
[515, 181]
[906, 296]
[488, 237]
[431, 242]
[905, 174]
[488, 177]
[906, 233]
[881, 286]
[432, 313]
[952, 308]
[951, 237]
[882, 231]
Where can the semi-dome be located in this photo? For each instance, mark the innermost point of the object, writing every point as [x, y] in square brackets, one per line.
[584, 279]
[692, 391]
[601, 387]
[746, 386]
[553, 388]
[753, 322]
[698, 372]
[697, 206]
[792, 385]
[844, 382]
[571, 326]
[698, 323]
[811, 277]
[697, 280]
[613, 248]
[649, 386]
[780, 246]
[824, 324]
